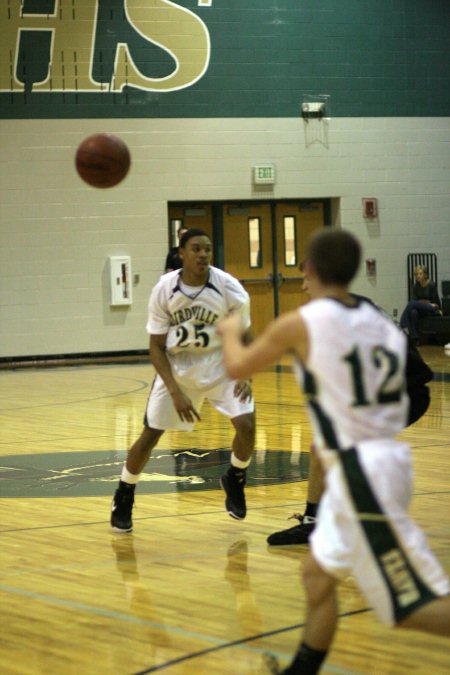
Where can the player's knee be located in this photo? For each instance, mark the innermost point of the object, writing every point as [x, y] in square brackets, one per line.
[149, 438]
[245, 425]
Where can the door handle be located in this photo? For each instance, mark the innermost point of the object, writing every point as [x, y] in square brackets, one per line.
[261, 280]
[275, 280]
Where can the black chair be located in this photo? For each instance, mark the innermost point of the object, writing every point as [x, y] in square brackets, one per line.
[428, 260]
[445, 298]
[436, 328]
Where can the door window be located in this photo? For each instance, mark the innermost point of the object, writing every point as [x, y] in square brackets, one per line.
[290, 241]
[175, 225]
[254, 239]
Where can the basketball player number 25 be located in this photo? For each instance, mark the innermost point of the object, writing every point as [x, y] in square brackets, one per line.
[201, 339]
[383, 359]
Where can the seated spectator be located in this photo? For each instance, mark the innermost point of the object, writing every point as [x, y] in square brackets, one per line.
[173, 260]
[425, 302]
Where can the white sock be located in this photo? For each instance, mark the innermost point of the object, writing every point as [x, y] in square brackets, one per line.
[128, 477]
[238, 463]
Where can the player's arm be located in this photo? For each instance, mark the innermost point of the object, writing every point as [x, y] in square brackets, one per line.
[161, 363]
[286, 334]
[243, 388]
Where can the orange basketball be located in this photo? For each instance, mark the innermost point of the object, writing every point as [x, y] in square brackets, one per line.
[102, 160]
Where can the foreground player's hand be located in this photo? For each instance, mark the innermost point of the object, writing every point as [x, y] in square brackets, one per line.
[230, 324]
[184, 407]
[243, 390]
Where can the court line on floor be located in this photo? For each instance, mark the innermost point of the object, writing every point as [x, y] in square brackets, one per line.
[243, 641]
[218, 643]
[182, 515]
[143, 384]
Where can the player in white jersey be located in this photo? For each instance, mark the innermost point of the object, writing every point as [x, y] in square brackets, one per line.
[418, 375]
[186, 353]
[352, 362]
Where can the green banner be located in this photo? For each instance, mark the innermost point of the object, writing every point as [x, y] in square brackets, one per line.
[222, 58]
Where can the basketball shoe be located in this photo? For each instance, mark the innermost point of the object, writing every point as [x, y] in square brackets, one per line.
[299, 534]
[121, 509]
[233, 483]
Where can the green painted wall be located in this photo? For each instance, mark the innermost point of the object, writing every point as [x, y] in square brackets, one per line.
[258, 58]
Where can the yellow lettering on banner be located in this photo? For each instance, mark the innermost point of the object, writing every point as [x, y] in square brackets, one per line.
[72, 31]
[176, 30]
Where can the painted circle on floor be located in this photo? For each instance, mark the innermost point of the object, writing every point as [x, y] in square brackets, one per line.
[95, 474]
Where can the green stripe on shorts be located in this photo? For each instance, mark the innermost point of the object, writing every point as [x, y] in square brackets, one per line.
[407, 590]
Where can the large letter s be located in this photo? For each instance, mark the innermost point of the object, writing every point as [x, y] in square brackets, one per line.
[176, 30]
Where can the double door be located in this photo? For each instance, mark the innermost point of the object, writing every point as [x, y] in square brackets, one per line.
[260, 243]
[263, 247]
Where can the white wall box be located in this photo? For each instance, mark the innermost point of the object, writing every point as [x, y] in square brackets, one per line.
[120, 274]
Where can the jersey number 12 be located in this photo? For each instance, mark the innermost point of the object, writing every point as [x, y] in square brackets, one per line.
[383, 359]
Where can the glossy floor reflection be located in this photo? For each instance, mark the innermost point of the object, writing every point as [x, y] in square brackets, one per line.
[191, 590]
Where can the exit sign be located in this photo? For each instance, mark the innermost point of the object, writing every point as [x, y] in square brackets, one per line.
[264, 173]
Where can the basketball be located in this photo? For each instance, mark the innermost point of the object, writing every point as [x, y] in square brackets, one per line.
[102, 160]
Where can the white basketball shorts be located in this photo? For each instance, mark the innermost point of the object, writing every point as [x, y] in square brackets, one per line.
[161, 414]
[364, 530]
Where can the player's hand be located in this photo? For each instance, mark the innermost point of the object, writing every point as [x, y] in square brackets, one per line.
[243, 390]
[184, 407]
[230, 324]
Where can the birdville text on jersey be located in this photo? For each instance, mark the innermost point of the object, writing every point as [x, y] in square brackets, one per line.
[199, 313]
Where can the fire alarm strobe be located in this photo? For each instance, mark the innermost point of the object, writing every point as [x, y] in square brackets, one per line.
[370, 207]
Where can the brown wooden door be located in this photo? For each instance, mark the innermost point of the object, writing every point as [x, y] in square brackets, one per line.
[275, 285]
[303, 218]
[190, 216]
[239, 255]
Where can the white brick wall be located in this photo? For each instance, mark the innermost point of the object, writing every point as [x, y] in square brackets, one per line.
[57, 233]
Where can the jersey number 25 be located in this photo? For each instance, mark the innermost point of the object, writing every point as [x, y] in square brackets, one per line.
[193, 334]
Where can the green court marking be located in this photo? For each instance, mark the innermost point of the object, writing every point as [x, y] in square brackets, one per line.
[94, 474]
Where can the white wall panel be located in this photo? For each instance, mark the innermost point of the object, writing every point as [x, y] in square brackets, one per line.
[57, 233]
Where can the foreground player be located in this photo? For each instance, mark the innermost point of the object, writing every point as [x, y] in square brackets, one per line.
[352, 360]
[186, 353]
[418, 375]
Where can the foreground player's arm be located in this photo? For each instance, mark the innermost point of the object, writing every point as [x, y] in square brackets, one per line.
[286, 334]
[181, 402]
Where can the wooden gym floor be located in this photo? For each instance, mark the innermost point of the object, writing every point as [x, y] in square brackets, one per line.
[191, 591]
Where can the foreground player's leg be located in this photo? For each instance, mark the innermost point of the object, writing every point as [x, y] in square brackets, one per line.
[321, 620]
[123, 500]
[233, 482]
[320, 625]
[431, 618]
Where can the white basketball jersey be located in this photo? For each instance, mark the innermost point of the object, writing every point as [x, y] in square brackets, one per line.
[188, 315]
[354, 378]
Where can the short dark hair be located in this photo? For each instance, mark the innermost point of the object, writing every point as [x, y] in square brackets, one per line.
[193, 232]
[335, 255]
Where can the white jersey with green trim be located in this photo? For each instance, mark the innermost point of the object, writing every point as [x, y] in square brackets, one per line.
[188, 315]
[354, 378]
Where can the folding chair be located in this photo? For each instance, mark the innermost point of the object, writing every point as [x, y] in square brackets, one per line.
[445, 298]
[427, 260]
